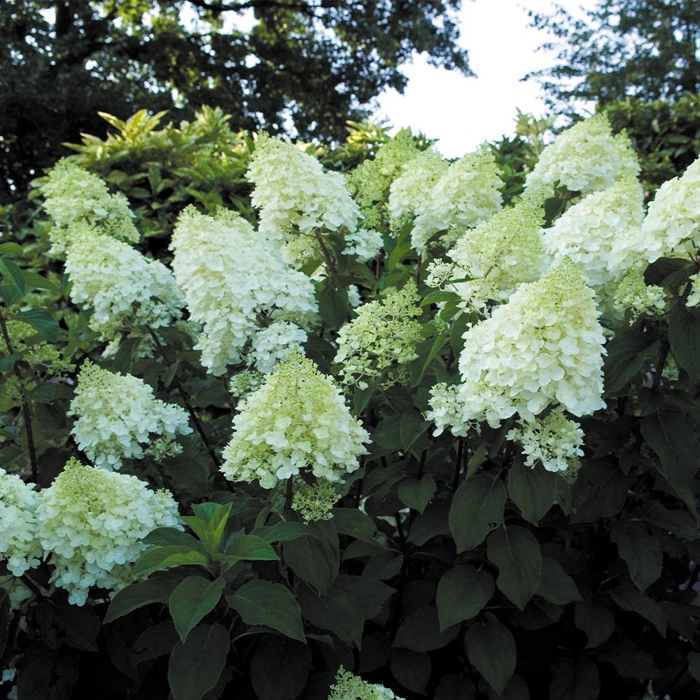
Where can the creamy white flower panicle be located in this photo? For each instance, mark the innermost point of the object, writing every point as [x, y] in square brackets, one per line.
[91, 522]
[73, 195]
[501, 253]
[122, 286]
[19, 546]
[348, 686]
[230, 275]
[545, 346]
[634, 295]
[363, 244]
[672, 223]
[297, 420]
[118, 416]
[295, 194]
[410, 192]
[465, 196]
[382, 337]
[275, 343]
[588, 232]
[446, 410]
[553, 440]
[585, 158]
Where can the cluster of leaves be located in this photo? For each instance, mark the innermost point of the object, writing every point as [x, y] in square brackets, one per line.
[449, 570]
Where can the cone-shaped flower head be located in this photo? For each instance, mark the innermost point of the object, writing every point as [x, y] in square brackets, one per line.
[19, 545]
[592, 229]
[347, 686]
[118, 416]
[672, 223]
[73, 196]
[295, 194]
[231, 275]
[122, 286]
[465, 196]
[585, 158]
[91, 522]
[296, 420]
[545, 346]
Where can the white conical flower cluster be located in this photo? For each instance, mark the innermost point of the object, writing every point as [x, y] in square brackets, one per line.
[118, 416]
[640, 299]
[585, 158]
[18, 524]
[554, 440]
[348, 686]
[297, 420]
[465, 196]
[73, 195]
[122, 286]
[545, 346]
[598, 233]
[91, 523]
[231, 275]
[672, 223]
[363, 244]
[500, 254]
[295, 194]
[275, 343]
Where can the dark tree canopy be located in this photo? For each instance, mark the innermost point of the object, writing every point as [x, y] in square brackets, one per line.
[304, 68]
[645, 49]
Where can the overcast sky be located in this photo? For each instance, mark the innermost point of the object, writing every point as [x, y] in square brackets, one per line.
[464, 112]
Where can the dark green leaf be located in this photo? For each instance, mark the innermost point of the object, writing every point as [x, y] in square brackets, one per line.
[628, 352]
[42, 321]
[594, 619]
[249, 548]
[411, 668]
[7, 362]
[420, 631]
[196, 665]
[412, 426]
[694, 665]
[442, 295]
[675, 521]
[10, 248]
[337, 610]
[491, 650]
[574, 679]
[462, 593]
[477, 508]
[166, 557]
[370, 593]
[516, 553]
[279, 668]
[454, 687]
[640, 550]
[13, 274]
[261, 602]
[631, 600]
[136, 595]
[191, 600]
[284, 531]
[417, 494]
[333, 303]
[669, 272]
[684, 336]
[533, 490]
[163, 536]
[315, 559]
[557, 586]
[355, 523]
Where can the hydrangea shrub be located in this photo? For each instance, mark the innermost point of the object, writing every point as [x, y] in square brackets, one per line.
[384, 433]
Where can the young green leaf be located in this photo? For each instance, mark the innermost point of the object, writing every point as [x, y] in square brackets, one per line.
[166, 557]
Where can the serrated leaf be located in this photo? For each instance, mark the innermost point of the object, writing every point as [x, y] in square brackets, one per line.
[315, 559]
[191, 600]
[477, 508]
[417, 494]
[641, 552]
[248, 548]
[166, 557]
[355, 523]
[284, 531]
[136, 595]
[337, 610]
[533, 490]
[557, 586]
[196, 665]
[260, 602]
[491, 650]
[420, 631]
[412, 426]
[462, 593]
[516, 553]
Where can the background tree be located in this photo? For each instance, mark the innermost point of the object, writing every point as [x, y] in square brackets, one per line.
[301, 67]
[644, 49]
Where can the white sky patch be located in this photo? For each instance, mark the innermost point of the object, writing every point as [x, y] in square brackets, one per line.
[464, 112]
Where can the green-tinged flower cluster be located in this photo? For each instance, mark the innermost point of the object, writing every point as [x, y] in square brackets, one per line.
[465, 196]
[672, 223]
[410, 192]
[35, 350]
[315, 502]
[634, 295]
[371, 179]
[363, 244]
[545, 346]
[584, 158]
[381, 338]
[245, 382]
[274, 343]
[123, 287]
[295, 194]
[554, 440]
[232, 277]
[297, 420]
[500, 254]
[19, 546]
[91, 523]
[348, 686]
[73, 195]
[118, 416]
[599, 232]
